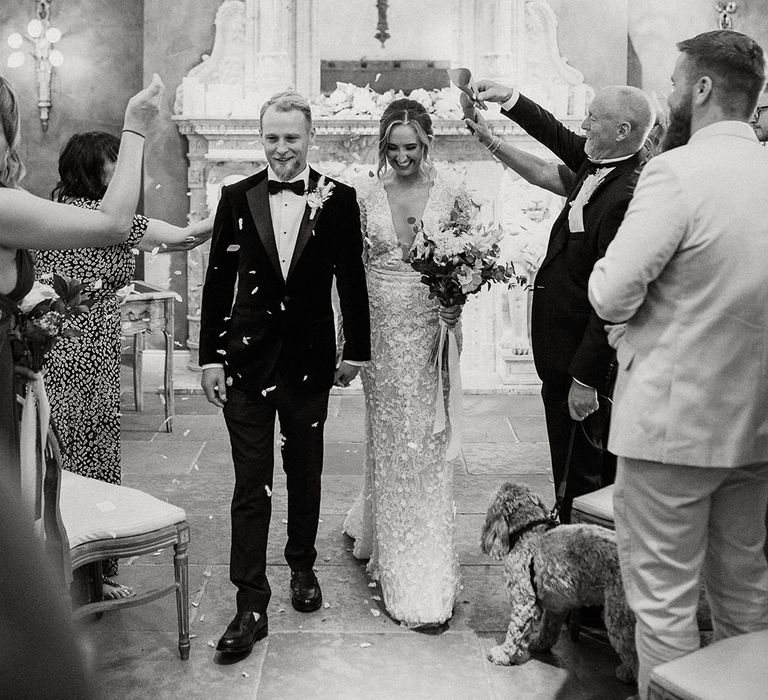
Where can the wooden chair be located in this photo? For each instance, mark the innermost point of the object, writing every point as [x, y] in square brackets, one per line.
[85, 521]
[731, 669]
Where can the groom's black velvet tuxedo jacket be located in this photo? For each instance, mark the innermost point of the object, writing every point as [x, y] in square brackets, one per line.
[567, 335]
[276, 326]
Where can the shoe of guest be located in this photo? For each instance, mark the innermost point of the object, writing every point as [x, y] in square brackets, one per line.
[306, 595]
[243, 632]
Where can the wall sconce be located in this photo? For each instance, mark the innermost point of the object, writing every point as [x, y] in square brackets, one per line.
[42, 36]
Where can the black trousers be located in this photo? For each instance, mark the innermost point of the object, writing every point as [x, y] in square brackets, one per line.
[590, 468]
[250, 419]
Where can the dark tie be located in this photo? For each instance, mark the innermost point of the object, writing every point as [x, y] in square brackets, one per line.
[275, 186]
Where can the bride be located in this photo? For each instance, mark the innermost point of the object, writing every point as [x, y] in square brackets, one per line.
[403, 521]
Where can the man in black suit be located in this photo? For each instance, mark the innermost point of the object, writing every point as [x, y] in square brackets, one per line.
[598, 174]
[268, 345]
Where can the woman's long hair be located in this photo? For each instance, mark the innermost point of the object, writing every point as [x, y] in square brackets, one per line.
[81, 165]
[12, 170]
[408, 112]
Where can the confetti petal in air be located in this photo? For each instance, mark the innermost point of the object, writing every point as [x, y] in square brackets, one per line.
[315, 424]
[228, 381]
[155, 250]
[221, 352]
[240, 224]
[222, 334]
[254, 290]
[268, 490]
[233, 248]
[375, 612]
[246, 338]
[135, 251]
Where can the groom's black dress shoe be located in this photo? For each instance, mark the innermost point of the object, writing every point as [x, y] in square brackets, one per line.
[243, 632]
[306, 595]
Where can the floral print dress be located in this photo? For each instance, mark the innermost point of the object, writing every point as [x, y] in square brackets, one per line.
[82, 374]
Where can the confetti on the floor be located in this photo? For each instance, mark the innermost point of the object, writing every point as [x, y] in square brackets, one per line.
[194, 636]
[210, 517]
[202, 618]
[207, 574]
[326, 559]
[281, 610]
[245, 675]
[164, 456]
[365, 645]
[195, 605]
[174, 481]
[376, 597]
[412, 445]
[372, 584]
[211, 644]
[186, 432]
[326, 605]
[375, 612]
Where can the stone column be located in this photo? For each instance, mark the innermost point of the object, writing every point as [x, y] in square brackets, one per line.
[198, 257]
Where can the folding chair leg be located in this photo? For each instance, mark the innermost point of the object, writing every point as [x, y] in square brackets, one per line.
[181, 573]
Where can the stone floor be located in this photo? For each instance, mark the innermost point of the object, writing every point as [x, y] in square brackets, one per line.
[344, 650]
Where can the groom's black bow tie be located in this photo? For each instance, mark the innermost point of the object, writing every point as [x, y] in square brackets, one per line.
[275, 186]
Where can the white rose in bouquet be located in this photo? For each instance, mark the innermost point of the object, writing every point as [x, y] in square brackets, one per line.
[39, 292]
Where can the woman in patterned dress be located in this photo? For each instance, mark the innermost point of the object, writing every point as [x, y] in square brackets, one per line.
[82, 374]
[403, 521]
[28, 220]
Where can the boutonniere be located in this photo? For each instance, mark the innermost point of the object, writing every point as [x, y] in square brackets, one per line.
[319, 196]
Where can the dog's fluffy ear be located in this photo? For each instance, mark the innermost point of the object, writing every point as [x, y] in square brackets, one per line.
[495, 538]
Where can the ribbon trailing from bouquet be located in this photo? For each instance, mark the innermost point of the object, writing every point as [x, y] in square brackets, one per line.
[451, 418]
[35, 418]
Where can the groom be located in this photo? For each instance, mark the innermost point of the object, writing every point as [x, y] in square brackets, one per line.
[268, 346]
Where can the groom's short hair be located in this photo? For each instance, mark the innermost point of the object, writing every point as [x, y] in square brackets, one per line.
[288, 101]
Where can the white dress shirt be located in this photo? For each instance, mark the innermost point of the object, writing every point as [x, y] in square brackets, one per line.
[287, 209]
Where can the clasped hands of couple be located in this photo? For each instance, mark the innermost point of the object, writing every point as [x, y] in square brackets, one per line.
[214, 379]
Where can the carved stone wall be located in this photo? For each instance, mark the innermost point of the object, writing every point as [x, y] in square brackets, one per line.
[513, 40]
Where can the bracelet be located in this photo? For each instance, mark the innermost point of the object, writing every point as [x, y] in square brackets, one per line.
[495, 148]
[131, 131]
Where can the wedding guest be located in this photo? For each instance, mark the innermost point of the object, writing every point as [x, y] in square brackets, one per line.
[268, 347]
[570, 346]
[403, 520]
[760, 119]
[82, 373]
[686, 272]
[26, 220]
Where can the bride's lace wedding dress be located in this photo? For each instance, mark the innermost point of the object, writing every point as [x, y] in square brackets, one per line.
[404, 518]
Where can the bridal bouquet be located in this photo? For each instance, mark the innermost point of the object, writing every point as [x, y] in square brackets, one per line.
[458, 259]
[40, 319]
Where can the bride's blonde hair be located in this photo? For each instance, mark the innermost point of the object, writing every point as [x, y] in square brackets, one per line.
[410, 113]
[12, 170]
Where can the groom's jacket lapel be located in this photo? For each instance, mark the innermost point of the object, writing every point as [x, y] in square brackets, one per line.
[258, 203]
[307, 226]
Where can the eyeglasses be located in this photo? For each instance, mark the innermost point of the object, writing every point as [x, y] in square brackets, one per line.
[758, 111]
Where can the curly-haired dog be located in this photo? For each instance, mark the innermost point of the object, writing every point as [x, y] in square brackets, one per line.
[551, 570]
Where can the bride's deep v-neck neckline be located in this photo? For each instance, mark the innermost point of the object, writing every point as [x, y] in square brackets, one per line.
[403, 249]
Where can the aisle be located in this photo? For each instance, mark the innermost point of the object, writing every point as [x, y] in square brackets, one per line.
[321, 655]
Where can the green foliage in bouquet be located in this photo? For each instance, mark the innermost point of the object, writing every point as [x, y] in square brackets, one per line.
[42, 316]
[459, 259]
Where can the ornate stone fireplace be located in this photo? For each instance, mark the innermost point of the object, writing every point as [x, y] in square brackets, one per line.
[217, 110]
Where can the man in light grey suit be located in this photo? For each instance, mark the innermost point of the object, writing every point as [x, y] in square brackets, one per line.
[688, 273]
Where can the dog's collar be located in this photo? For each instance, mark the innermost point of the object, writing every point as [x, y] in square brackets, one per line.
[514, 537]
